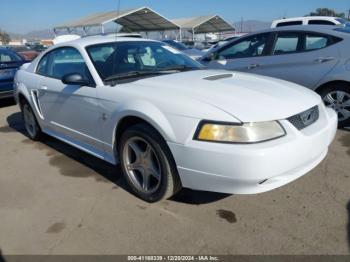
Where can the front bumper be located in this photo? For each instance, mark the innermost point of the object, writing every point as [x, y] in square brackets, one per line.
[6, 94]
[255, 168]
[6, 89]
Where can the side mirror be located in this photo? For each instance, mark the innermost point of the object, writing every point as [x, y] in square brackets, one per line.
[75, 79]
[210, 57]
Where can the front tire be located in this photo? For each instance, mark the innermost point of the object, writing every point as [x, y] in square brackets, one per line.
[337, 96]
[147, 163]
[30, 123]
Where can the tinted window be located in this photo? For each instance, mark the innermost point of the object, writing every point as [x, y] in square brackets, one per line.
[250, 47]
[286, 43]
[66, 61]
[320, 22]
[114, 59]
[42, 66]
[342, 20]
[8, 56]
[289, 23]
[314, 41]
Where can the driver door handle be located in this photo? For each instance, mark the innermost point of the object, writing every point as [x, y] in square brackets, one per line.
[252, 66]
[324, 59]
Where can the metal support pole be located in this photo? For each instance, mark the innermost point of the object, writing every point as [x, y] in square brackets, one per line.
[103, 29]
[180, 35]
[193, 35]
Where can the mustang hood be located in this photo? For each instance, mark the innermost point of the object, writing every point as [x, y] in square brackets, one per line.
[247, 97]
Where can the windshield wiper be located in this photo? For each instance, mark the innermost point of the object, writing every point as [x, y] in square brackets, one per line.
[148, 72]
[177, 68]
[129, 75]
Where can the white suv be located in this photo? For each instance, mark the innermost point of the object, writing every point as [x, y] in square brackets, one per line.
[310, 20]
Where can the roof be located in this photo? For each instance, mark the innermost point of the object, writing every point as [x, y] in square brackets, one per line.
[98, 39]
[326, 18]
[326, 29]
[135, 20]
[204, 24]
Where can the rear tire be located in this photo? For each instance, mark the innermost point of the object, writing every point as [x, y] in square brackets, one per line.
[30, 123]
[337, 96]
[147, 163]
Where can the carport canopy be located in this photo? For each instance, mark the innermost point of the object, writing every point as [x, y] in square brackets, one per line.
[204, 24]
[141, 19]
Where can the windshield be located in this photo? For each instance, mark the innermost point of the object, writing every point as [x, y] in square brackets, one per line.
[177, 45]
[135, 58]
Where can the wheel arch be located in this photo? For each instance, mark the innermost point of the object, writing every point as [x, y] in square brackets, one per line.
[330, 83]
[141, 112]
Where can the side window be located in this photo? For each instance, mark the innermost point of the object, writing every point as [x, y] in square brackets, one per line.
[320, 22]
[314, 41]
[7, 56]
[289, 23]
[42, 66]
[66, 60]
[250, 47]
[286, 43]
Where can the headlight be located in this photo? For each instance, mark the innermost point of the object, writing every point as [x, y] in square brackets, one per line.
[239, 133]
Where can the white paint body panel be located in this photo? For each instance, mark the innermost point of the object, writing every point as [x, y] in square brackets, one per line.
[174, 104]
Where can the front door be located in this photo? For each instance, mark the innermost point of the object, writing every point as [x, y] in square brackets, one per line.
[299, 57]
[70, 111]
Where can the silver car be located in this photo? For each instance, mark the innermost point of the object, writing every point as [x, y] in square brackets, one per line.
[317, 57]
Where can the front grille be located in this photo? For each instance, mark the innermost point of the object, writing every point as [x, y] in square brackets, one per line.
[305, 119]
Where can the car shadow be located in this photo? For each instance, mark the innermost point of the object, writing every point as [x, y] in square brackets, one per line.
[195, 197]
[103, 170]
[348, 208]
[6, 102]
[2, 259]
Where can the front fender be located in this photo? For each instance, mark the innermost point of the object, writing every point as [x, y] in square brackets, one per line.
[141, 109]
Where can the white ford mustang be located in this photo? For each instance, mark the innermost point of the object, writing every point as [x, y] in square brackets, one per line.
[170, 122]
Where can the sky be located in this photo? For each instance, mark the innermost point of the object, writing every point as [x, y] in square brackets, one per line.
[22, 16]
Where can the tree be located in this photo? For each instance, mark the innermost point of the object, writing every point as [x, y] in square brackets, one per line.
[326, 12]
[4, 38]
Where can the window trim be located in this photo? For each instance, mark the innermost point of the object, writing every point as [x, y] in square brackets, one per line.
[299, 44]
[49, 54]
[303, 40]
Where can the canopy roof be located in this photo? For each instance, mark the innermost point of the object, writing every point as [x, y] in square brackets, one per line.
[135, 20]
[204, 24]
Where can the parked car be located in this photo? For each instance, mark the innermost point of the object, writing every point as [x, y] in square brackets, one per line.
[25, 51]
[9, 63]
[191, 52]
[316, 57]
[171, 123]
[310, 20]
[220, 43]
[37, 47]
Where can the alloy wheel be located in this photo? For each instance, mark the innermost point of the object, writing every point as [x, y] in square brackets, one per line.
[340, 102]
[29, 120]
[142, 165]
